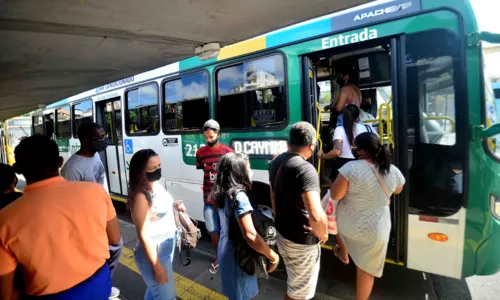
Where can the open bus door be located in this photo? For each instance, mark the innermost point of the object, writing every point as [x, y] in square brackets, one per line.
[310, 105]
[386, 61]
[108, 114]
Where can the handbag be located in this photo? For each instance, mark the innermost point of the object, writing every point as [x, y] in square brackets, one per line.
[250, 261]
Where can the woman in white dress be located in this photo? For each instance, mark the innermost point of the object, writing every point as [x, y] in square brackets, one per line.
[363, 217]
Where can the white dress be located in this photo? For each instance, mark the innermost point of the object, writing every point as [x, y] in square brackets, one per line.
[363, 216]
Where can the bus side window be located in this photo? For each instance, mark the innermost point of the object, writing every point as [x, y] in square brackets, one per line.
[141, 115]
[186, 105]
[63, 126]
[252, 94]
[82, 113]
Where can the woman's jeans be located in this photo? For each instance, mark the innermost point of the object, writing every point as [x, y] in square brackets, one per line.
[157, 291]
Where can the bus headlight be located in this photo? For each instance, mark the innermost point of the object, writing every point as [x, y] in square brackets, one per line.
[495, 205]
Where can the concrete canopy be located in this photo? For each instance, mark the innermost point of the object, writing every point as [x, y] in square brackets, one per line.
[52, 49]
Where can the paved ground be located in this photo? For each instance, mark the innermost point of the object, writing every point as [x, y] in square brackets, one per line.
[336, 280]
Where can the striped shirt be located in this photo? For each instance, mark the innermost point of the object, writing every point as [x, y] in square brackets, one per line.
[207, 159]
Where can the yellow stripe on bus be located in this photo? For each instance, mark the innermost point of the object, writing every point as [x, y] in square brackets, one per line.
[241, 48]
[186, 289]
[387, 260]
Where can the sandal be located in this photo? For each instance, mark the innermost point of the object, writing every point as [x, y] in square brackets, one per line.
[336, 250]
[214, 269]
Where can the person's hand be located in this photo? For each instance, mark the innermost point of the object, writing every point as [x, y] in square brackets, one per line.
[274, 263]
[320, 154]
[160, 273]
[180, 205]
[322, 239]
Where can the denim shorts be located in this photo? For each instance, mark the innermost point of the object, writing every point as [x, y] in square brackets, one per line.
[212, 222]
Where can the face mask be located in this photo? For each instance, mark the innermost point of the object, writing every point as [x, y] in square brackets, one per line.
[355, 154]
[213, 143]
[154, 176]
[99, 145]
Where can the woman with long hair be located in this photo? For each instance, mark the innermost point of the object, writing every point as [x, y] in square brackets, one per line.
[231, 185]
[363, 216]
[343, 138]
[152, 211]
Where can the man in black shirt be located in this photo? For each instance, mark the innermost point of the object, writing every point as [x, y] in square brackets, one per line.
[300, 220]
[8, 182]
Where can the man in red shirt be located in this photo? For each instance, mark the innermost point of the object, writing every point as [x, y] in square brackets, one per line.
[207, 159]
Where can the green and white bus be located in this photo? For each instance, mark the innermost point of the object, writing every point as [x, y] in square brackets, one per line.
[421, 63]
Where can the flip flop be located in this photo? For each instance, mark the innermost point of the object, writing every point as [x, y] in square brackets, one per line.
[214, 269]
[336, 250]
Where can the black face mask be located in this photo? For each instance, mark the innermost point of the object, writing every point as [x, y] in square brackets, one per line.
[154, 176]
[99, 145]
[355, 154]
[341, 81]
[213, 143]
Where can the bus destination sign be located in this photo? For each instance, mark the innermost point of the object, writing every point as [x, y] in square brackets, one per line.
[256, 148]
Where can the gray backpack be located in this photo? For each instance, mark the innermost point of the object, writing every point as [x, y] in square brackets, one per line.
[189, 234]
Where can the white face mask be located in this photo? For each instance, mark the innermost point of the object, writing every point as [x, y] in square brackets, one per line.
[250, 173]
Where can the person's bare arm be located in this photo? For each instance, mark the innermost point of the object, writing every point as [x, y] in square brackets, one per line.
[113, 231]
[335, 152]
[7, 286]
[339, 188]
[398, 190]
[318, 223]
[140, 215]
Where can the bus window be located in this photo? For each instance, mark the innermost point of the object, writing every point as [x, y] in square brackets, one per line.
[82, 113]
[186, 105]
[141, 117]
[252, 94]
[38, 125]
[63, 127]
[435, 86]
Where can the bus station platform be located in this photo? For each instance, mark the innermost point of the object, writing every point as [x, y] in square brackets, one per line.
[195, 281]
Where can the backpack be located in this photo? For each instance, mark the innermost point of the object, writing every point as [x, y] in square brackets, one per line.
[189, 234]
[249, 260]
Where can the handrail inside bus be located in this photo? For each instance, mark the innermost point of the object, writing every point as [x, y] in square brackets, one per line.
[318, 134]
[452, 121]
[388, 121]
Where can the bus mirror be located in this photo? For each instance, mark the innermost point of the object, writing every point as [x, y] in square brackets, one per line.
[476, 37]
[490, 131]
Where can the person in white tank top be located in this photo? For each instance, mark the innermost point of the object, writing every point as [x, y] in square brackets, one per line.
[152, 212]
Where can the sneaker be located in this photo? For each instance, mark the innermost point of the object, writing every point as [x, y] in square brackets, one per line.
[115, 292]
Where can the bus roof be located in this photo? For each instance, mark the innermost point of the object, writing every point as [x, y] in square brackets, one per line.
[359, 16]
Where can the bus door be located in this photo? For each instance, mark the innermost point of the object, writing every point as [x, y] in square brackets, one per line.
[48, 124]
[310, 105]
[109, 115]
[433, 135]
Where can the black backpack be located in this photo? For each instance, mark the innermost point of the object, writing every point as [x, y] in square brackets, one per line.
[249, 260]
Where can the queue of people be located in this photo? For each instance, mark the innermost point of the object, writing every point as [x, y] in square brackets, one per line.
[77, 215]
